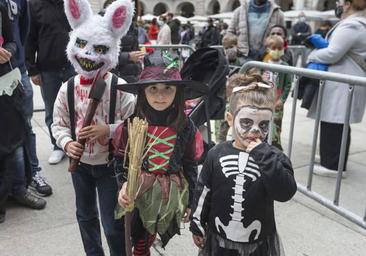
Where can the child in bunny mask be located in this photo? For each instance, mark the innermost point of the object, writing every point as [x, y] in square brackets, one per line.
[93, 50]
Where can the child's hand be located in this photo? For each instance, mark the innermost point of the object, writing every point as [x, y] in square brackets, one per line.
[123, 198]
[279, 104]
[5, 55]
[198, 241]
[74, 149]
[94, 132]
[253, 144]
[186, 216]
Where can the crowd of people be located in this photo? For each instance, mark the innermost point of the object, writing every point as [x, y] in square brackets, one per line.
[61, 46]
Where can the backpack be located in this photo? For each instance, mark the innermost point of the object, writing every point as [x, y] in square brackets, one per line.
[112, 108]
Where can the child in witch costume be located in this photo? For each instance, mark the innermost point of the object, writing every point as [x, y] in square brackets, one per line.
[93, 49]
[169, 171]
[233, 211]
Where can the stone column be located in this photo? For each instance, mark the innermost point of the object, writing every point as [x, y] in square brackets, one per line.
[199, 7]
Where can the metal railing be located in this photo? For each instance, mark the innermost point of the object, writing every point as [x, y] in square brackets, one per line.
[352, 81]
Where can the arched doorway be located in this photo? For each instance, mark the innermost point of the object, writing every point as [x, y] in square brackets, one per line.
[185, 9]
[213, 7]
[160, 8]
[234, 4]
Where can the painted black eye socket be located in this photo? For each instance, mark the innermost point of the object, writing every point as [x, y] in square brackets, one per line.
[264, 125]
[81, 43]
[246, 123]
[101, 49]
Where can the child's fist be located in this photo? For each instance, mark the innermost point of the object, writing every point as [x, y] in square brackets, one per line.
[186, 216]
[253, 144]
[94, 132]
[123, 198]
[198, 241]
[74, 149]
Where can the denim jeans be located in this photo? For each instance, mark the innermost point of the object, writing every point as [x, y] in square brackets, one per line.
[8, 163]
[89, 180]
[28, 112]
[51, 84]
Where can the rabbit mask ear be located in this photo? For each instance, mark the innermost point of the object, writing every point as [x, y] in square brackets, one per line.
[77, 12]
[119, 16]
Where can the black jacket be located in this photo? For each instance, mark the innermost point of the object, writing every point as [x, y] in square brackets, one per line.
[127, 69]
[48, 37]
[175, 30]
[9, 42]
[236, 188]
[211, 36]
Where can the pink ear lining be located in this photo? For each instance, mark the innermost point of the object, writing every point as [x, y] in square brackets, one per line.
[74, 9]
[119, 17]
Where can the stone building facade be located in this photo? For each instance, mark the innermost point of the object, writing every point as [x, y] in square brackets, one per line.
[189, 8]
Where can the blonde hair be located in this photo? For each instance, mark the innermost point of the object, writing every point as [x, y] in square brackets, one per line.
[252, 94]
[229, 41]
[274, 41]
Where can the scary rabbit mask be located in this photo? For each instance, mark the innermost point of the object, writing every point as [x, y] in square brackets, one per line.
[94, 41]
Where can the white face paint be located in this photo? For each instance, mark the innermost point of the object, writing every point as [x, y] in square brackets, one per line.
[251, 123]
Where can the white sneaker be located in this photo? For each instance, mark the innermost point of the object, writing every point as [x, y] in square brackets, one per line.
[56, 156]
[325, 172]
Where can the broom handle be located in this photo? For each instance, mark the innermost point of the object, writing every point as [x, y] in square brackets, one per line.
[90, 112]
[128, 242]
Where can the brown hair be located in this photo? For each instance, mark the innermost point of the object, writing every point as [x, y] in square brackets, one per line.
[253, 95]
[176, 119]
[358, 5]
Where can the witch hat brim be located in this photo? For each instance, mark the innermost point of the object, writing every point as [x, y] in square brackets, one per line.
[192, 89]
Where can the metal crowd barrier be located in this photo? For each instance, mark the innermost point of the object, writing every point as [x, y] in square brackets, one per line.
[352, 81]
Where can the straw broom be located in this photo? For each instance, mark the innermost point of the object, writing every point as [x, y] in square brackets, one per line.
[137, 131]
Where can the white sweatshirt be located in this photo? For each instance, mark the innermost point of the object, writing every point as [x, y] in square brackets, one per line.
[95, 153]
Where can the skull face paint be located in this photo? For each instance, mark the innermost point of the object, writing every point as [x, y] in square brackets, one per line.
[251, 123]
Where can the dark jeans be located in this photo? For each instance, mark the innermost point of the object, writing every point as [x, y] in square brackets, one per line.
[19, 181]
[87, 181]
[330, 145]
[7, 165]
[51, 83]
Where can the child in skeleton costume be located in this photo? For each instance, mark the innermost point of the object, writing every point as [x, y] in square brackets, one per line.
[93, 49]
[240, 180]
[169, 171]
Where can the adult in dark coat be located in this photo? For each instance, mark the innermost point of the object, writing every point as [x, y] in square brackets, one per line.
[210, 35]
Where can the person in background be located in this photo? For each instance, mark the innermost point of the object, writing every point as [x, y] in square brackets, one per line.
[345, 54]
[153, 30]
[175, 28]
[324, 28]
[165, 34]
[281, 31]
[282, 83]
[300, 31]
[230, 44]
[251, 23]
[45, 54]
[210, 35]
[142, 36]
